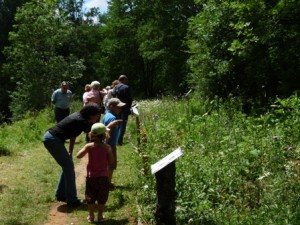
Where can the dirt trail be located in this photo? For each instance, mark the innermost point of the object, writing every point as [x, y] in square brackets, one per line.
[59, 213]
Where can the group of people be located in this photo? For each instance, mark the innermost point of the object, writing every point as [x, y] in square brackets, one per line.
[101, 148]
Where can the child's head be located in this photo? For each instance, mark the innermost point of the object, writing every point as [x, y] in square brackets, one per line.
[88, 87]
[95, 85]
[115, 105]
[98, 132]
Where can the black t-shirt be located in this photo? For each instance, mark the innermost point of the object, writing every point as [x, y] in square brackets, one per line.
[71, 126]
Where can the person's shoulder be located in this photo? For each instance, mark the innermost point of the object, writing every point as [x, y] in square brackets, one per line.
[90, 145]
[107, 146]
[123, 85]
[110, 114]
[75, 116]
[108, 117]
[56, 91]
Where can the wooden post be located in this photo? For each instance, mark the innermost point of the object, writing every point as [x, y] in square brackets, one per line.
[138, 131]
[166, 194]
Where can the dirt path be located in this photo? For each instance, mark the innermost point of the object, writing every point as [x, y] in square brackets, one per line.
[121, 206]
[59, 213]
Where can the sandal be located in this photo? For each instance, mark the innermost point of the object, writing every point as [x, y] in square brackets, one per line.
[90, 219]
[101, 219]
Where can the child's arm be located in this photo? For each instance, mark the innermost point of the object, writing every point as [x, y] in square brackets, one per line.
[114, 123]
[83, 151]
[110, 156]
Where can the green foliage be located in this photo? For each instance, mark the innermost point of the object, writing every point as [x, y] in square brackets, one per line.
[149, 52]
[8, 9]
[235, 169]
[245, 49]
[24, 133]
[36, 63]
[27, 175]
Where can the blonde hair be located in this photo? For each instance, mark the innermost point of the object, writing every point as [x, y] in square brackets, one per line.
[88, 87]
[97, 138]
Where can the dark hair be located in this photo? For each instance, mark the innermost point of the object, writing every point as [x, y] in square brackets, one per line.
[122, 78]
[89, 110]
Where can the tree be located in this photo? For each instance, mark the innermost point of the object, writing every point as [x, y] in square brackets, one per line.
[37, 62]
[145, 38]
[162, 28]
[245, 48]
[118, 51]
[8, 9]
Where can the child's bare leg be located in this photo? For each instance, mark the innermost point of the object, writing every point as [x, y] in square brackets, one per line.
[110, 174]
[91, 211]
[100, 212]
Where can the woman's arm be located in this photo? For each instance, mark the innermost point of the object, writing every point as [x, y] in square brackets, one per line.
[71, 145]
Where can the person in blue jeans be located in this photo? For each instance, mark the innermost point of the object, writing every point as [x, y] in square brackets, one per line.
[115, 107]
[54, 141]
[122, 92]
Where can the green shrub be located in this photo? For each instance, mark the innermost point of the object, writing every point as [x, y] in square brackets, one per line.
[236, 169]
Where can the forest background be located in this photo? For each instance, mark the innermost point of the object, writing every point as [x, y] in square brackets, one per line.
[243, 49]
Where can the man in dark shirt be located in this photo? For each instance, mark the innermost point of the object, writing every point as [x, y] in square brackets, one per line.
[122, 92]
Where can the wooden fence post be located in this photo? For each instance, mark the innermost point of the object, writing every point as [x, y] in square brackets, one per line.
[165, 171]
[166, 195]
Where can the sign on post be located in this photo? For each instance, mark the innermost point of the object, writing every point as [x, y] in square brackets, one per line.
[166, 160]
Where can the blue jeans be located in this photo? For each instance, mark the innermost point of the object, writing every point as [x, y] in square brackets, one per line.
[122, 127]
[66, 187]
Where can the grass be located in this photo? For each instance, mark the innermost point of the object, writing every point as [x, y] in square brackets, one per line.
[27, 184]
[121, 208]
[236, 168]
[28, 176]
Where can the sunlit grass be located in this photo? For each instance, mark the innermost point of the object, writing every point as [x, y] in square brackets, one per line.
[235, 169]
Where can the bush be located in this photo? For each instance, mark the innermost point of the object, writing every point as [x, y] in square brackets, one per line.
[236, 169]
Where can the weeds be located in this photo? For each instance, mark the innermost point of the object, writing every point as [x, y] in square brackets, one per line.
[236, 168]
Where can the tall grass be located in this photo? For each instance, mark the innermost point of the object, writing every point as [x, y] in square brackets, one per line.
[236, 169]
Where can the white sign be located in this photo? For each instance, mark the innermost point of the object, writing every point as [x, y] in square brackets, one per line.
[166, 160]
[134, 110]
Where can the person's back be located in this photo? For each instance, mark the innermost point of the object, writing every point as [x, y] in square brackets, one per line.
[98, 160]
[94, 94]
[87, 89]
[109, 94]
[122, 92]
